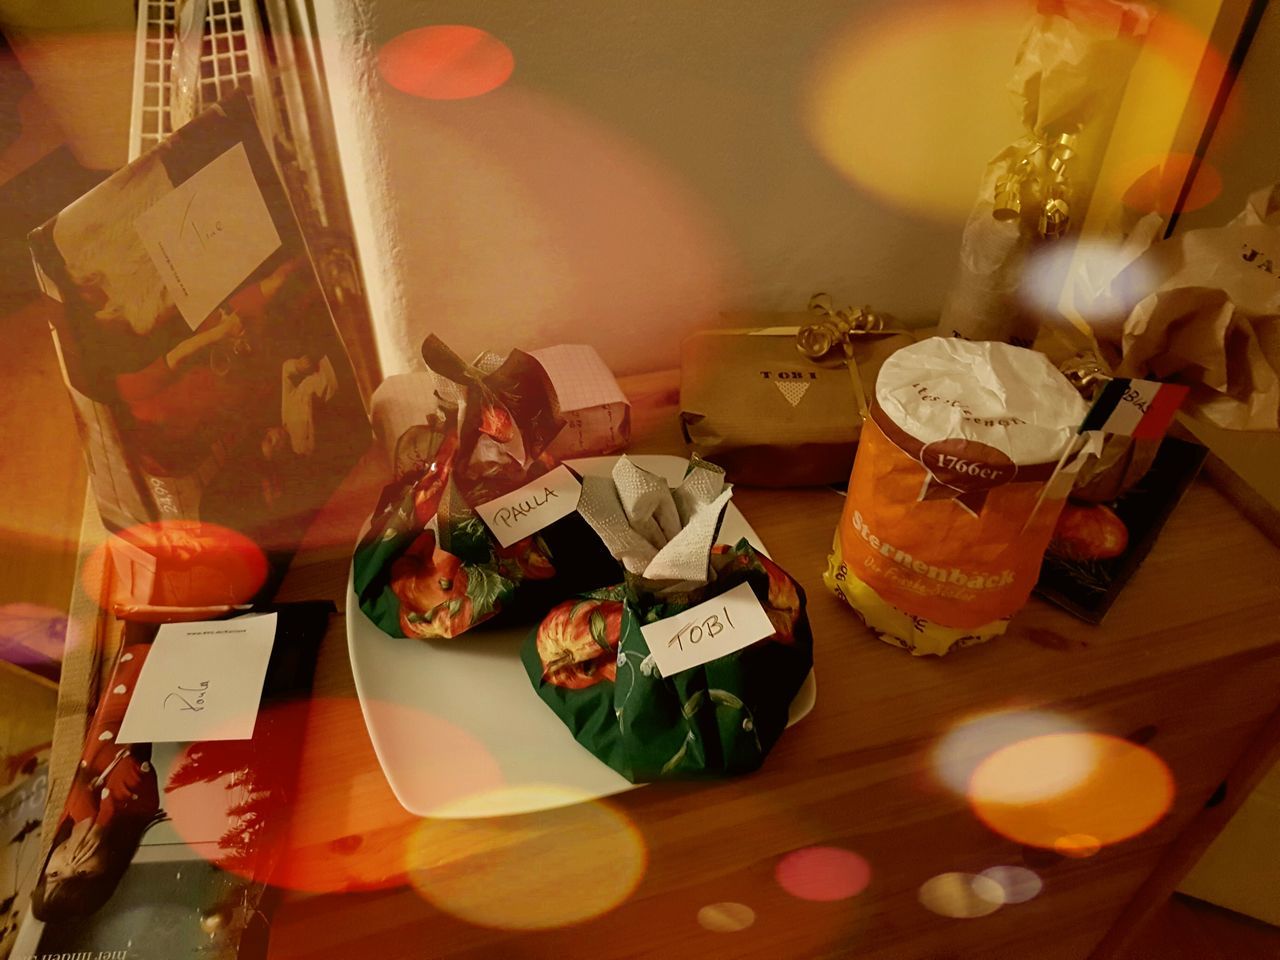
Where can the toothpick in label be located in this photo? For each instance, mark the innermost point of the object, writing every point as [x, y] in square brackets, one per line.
[200, 681]
[523, 512]
[708, 631]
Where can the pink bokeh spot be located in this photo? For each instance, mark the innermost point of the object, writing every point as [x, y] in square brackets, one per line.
[823, 873]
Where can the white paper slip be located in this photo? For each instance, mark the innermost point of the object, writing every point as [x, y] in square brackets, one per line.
[209, 234]
[713, 628]
[201, 681]
[523, 512]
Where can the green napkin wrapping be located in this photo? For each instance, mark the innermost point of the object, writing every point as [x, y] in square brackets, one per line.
[589, 662]
[429, 567]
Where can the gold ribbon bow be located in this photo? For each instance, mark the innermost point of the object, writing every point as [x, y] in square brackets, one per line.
[1042, 173]
[1085, 371]
[835, 330]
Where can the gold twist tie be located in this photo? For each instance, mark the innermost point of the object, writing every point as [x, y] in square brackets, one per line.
[1084, 370]
[1043, 170]
[836, 329]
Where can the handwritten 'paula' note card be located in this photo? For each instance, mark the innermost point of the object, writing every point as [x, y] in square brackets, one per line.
[201, 681]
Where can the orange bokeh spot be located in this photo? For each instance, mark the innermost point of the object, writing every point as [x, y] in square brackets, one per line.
[1156, 190]
[1078, 846]
[445, 62]
[175, 563]
[342, 828]
[1071, 792]
[911, 102]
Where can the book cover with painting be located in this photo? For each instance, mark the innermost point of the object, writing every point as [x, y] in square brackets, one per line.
[166, 850]
[21, 807]
[1097, 547]
[210, 387]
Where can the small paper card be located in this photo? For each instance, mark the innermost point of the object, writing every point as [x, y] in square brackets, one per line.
[209, 234]
[201, 681]
[712, 629]
[523, 512]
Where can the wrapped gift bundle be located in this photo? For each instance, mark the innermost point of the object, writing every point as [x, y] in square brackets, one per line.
[688, 667]
[432, 564]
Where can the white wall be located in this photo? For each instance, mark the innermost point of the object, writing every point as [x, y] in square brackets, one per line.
[649, 165]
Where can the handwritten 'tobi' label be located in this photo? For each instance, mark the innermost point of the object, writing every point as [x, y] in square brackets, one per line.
[524, 512]
[201, 681]
[710, 630]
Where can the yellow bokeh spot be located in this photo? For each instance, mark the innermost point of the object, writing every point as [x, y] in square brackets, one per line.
[533, 871]
[1071, 792]
[961, 896]
[913, 106]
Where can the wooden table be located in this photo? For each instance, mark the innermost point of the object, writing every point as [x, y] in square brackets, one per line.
[1188, 663]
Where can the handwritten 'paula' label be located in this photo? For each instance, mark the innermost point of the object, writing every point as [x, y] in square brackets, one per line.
[708, 631]
[536, 505]
[200, 681]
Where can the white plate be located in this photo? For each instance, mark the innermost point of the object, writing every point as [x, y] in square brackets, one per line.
[458, 728]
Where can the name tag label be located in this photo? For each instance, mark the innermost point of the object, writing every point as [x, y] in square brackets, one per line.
[523, 512]
[209, 234]
[201, 681]
[708, 631]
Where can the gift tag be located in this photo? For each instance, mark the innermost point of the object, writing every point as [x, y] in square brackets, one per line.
[523, 512]
[209, 234]
[201, 681]
[712, 629]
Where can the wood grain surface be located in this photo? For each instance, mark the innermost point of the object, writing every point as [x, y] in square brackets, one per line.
[1187, 663]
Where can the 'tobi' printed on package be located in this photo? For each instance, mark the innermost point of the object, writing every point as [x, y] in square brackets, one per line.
[941, 537]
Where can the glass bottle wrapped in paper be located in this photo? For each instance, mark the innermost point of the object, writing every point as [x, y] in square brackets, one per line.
[461, 529]
[1068, 77]
[950, 504]
[687, 668]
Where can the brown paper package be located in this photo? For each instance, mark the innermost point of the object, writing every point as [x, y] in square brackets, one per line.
[751, 403]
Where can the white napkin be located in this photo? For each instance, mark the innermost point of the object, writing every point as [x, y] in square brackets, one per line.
[655, 532]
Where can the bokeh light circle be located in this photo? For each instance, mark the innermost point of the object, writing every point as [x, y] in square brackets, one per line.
[446, 62]
[1078, 846]
[534, 871]
[1157, 188]
[1050, 791]
[346, 831]
[823, 873]
[726, 917]
[963, 748]
[961, 896]
[912, 105]
[175, 563]
[1018, 883]
[1099, 280]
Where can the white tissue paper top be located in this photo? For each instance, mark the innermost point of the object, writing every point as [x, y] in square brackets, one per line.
[653, 531]
[1007, 397]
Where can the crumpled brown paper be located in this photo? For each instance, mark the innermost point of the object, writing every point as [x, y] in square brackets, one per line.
[1212, 318]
